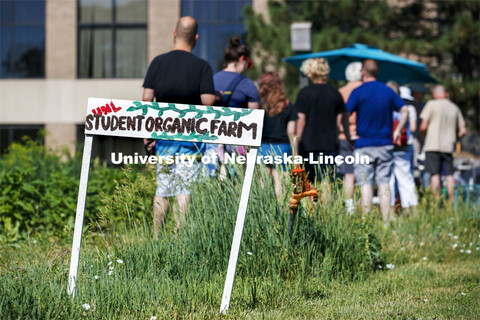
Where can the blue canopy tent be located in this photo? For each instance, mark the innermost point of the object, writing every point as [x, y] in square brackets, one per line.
[391, 67]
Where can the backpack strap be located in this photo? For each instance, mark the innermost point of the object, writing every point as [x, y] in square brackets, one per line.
[231, 89]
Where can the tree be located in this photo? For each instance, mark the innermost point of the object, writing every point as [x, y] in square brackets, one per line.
[445, 35]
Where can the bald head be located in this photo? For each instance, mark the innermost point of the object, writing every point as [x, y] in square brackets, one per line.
[370, 67]
[439, 92]
[186, 30]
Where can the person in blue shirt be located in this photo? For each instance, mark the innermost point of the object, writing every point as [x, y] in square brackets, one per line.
[233, 88]
[236, 90]
[375, 103]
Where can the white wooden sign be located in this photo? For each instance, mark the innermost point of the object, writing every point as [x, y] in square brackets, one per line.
[169, 121]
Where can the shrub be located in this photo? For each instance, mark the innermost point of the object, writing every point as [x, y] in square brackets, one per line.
[38, 190]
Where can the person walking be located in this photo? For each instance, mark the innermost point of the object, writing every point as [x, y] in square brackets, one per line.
[418, 93]
[233, 88]
[279, 122]
[353, 74]
[320, 107]
[236, 90]
[178, 77]
[374, 103]
[401, 180]
[442, 124]
[412, 132]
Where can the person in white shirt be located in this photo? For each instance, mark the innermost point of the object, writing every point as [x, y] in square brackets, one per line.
[402, 181]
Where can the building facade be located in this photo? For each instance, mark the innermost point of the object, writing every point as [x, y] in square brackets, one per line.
[57, 53]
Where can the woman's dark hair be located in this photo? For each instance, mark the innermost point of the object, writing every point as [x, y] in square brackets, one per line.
[235, 49]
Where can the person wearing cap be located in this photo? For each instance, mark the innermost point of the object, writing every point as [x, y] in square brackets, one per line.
[402, 179]
[406, 95]
[442, 124]
[353, 74]
[374, 103]
[418, 90]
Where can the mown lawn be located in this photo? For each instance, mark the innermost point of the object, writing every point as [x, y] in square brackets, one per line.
[420, 290]
[416, 290]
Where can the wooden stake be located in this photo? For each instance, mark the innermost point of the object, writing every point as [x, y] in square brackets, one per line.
[237, 236]
[77, 234]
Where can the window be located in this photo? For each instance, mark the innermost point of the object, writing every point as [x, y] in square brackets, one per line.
[22, 38]
[218, 21]
[10, 133]
[112, 38]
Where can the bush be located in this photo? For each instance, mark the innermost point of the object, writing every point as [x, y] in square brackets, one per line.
[38, 190]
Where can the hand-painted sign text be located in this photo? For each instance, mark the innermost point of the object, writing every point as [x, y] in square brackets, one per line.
[169, 121]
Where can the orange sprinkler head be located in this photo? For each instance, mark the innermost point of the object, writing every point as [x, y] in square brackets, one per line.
[301, 189]
[297, 169]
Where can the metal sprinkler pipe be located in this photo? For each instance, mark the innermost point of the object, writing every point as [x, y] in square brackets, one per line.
[301, 189]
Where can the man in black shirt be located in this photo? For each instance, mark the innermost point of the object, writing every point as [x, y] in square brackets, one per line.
[178, 77]
[320, 107]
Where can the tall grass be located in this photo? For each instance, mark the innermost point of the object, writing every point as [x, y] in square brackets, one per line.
[183, 273]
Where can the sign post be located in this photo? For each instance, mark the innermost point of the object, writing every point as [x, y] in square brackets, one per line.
[82, 196]
[237, 236]
[169, 121]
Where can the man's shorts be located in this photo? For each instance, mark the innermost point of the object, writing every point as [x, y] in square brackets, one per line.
[434, 161]
[174, 179]
[346, 149]
[380, 167]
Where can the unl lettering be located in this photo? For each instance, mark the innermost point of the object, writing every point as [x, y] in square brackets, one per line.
[106, 109]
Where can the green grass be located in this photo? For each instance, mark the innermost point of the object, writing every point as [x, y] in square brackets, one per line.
[334, 267]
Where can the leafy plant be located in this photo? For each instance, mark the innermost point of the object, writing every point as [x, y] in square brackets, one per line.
[39, 189]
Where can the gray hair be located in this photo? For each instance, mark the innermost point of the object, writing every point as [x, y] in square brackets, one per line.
[353, 71]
